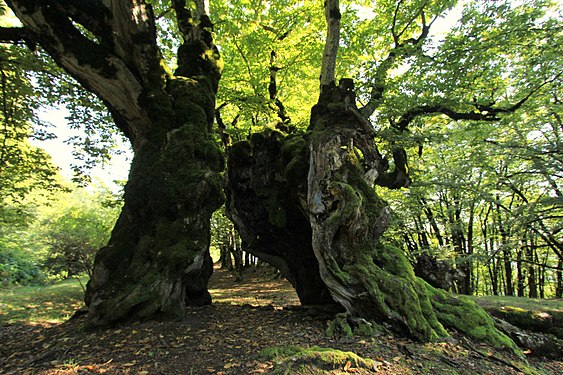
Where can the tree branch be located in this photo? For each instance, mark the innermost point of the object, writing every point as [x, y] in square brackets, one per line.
[403, 50]
[394, 23]
[118, 63]
[332, 15]
[483, 112]
[14, 34]
[273, 90]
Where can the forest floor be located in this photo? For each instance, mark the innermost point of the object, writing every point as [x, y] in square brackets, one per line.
[233, 335]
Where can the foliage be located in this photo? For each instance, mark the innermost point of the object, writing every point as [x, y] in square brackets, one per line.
[248, 33]
[31, 85]
[19, 260]
[76, 229]
[23, 167]
[55, 237]
[17, 270]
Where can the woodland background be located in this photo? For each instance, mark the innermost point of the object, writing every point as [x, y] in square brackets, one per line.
[485, 204]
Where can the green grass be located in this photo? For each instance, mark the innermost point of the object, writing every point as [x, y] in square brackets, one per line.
[531, 304]
[41, 304]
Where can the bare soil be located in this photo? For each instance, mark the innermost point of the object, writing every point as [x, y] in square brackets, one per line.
[227, 337]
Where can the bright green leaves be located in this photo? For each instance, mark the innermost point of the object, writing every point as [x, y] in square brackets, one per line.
[247, 33]
[76, 229]
[23, 167]
[490, 55]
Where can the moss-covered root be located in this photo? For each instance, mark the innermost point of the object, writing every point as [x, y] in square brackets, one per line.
[344, 324]
[464, 315]
[292, 357]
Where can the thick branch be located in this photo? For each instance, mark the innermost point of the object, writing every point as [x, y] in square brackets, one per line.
[332, 15]
[424, 110]
[118, 70]
[483, 112]
[273, 89]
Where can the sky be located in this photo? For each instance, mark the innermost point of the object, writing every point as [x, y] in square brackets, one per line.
[61, 153]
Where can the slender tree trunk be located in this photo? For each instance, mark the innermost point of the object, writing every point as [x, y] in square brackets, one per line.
[559, 279]
[226, 259]
[520, 273]
[541, 277]
[237, 257]
[506, 253]
[532, 261]
[469, 280]
[432, 221]
[463, 262]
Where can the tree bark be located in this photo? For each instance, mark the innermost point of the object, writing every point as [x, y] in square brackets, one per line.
[332, 16]
[266, 183]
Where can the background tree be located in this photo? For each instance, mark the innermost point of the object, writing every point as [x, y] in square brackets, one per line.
[75, 229]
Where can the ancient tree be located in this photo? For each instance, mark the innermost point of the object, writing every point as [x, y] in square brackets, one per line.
[303, 202]
[157, 259]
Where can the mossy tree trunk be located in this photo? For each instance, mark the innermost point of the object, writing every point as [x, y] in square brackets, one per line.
[305, 203]
[157, 259]
[266, 188]
[372, 280]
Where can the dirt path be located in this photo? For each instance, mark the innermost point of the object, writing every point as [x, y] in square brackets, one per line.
[226, 338]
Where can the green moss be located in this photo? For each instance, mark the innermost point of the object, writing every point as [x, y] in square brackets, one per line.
[194, 100]
[464, 315]
[339, 325]
[274, 352]
[344, 324]
[288, 357]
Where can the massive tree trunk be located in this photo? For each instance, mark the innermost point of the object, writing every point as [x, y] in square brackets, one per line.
[267, 185]
[157, 259]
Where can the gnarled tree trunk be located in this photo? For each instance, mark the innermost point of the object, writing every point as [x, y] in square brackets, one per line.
[266, 186]
[372, 280]
[157, 259]
[306, 204]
